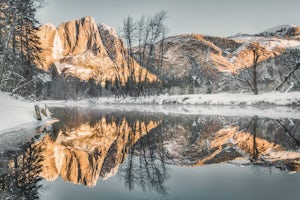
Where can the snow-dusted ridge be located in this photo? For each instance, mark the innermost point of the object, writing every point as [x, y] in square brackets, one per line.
[278, 28]
[268, 43]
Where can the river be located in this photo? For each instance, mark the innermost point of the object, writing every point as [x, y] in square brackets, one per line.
[132, 154]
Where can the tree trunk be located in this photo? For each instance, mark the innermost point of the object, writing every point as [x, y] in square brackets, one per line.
[255, 58]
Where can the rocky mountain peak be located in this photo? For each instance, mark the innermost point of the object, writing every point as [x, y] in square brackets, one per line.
[85, 50]
[105, 28]
[112, 42]
[79, 36]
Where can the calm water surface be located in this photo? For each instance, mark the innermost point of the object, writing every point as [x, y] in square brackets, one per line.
[103, 154]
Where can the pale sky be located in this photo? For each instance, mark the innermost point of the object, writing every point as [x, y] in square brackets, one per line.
[213, 17]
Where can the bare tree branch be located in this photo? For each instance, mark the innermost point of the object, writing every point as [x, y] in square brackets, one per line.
[288, 76]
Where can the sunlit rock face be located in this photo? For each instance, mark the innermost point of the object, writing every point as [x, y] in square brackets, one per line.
[184, 54]
[49, 39]
[213, 62]
[77, 154]
[79, 36]
[83, 49]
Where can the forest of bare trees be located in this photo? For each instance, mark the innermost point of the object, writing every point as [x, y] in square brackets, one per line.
[140, 37]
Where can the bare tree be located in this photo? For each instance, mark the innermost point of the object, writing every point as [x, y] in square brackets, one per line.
[129, 35]
[156, 30]
[161, 46]
[250, 78]
[255, 48]
[145, 34]
[141, 32]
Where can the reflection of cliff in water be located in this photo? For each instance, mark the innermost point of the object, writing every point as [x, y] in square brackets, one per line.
[86, 145]
[196, 141]
[91, 144]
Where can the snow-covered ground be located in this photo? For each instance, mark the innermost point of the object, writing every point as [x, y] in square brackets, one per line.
[16, 114]
[273, 105]
[224, 99]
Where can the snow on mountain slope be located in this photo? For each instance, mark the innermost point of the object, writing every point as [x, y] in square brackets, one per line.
[211, 63]
[268, 43]
[83, 49]
[190, 53]
[279, 28]
[243, 57]
[283, 31]
[78, 71]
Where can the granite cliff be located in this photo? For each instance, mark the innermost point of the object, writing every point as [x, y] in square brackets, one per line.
[83, 49]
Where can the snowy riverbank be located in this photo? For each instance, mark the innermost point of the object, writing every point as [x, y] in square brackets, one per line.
[274, 98]
[271, 105]
[16, 114]
[221, 99]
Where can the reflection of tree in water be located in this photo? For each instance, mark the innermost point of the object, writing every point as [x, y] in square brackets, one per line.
[116, 142]
[139, 162]
[203, 140]
[20, 180]
[145, 164]
[281, 138]
[138, 146]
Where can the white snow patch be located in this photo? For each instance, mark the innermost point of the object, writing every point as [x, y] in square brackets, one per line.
[15, 113]
[83, 73]
[44, 77]
[268, 43]
[244, 99]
